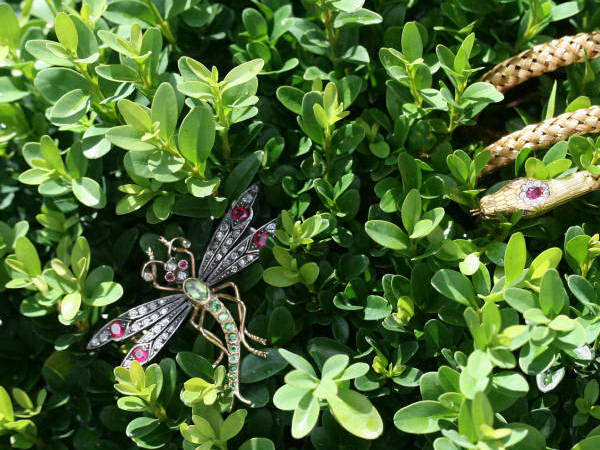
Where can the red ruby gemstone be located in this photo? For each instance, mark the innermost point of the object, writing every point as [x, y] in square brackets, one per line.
[534, 192]
[169, 276]
[117, 329]
[260, 239]
[140, 354]
[183, 264]
[240, 213]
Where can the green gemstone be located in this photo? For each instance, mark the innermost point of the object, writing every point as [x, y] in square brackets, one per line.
[233, 368]
[195, 289]
[234, 348]
[215, 306]
[234, 358]
[232, 337]
[223, 317]
[230, 326]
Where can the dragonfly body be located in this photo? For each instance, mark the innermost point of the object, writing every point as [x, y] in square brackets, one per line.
[152, 324]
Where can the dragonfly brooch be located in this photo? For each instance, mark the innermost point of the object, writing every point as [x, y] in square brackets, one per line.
[232, 248]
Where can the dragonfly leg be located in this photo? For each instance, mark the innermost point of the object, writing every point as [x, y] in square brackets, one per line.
[211, 337]
[219, 359]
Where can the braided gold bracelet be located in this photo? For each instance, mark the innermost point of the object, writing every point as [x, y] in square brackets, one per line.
[535, 197]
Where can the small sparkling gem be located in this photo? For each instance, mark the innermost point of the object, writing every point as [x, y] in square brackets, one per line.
[215, 306]
[234, 386]
[169, 276]
[148, 276]
[164, 311]
[183, 264]
[171, 265]
[223, 317]
[534, 192]
[234, 358]
[117, 329]
[181, 276]
[186, 243]
[233, 337]
[195, 289]
[140, 354]
[234, 348]
[260, 238]
[239, 213]
[142, 310]
[230, 326]
[154, 317]
[233, 368]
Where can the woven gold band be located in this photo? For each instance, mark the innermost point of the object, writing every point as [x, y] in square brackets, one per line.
[541, 59]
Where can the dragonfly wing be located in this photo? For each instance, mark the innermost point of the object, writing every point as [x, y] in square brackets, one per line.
[229, 231]
[136, 320]
[148, 346]
[243, 254]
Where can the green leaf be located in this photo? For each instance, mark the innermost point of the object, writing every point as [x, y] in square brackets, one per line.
[104, 294]
[135, 115]
[387, 234]
[548, 259]
[10, 32]
[28, 255]
[258, 444]
[482, 92]
[6, 408]
[241, 74]
[305, 415]
[69, 306]
[377, 308]
[356, 414]
[291, 98]
[360, 17]
[117, 72]
[242, 174]
[70, 107]
[128, 138]
[66, 32]
[553, 297]
[590, 443]
[514, 258]
[197, 134]
[297, 362]
[232, 425]
[55, 82]
[89, 192]
[412, 44]
[411, 210]
[454, 285]
[422, 417]
[51, 154]
[165, 110]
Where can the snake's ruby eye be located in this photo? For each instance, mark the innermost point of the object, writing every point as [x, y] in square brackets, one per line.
[534, 192]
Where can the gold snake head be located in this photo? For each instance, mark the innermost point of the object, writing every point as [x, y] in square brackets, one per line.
[535, 197]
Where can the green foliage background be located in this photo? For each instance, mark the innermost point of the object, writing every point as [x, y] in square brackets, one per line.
[394, 318]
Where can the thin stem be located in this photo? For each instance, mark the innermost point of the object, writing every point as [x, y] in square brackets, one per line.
[163, 25]
[327, 18]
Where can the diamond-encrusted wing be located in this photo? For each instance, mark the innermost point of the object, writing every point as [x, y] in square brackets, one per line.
[137, 319]
[229, 231]
[148, 346]
[243, 254]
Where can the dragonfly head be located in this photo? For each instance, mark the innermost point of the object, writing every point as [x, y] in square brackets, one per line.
[175, 270]
[196, 290]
